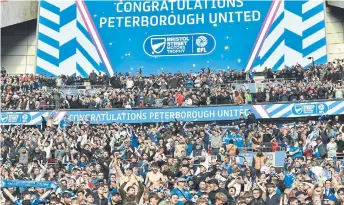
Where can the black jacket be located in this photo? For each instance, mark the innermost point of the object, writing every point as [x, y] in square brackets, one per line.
[322, 149]
[251, 118]
[202, 176]
[98, 201]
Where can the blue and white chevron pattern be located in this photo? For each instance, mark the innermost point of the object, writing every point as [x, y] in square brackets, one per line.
[67, 44]
[64, 45]
[297, 32]
[285, 110]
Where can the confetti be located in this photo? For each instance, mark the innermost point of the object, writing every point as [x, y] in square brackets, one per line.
[239, 60]
[226, 47]
[215, 25]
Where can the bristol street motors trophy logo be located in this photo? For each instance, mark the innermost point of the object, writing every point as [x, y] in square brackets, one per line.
[158, 45]
[179, 45]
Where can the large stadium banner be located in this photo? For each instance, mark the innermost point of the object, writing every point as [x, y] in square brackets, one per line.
[189, 114]
[155, 36]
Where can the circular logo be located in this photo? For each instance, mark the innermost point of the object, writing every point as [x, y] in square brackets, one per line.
[25, 117]
[201, 41]
[321, 107]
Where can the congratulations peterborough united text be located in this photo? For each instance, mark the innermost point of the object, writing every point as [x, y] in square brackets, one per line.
[177, 12]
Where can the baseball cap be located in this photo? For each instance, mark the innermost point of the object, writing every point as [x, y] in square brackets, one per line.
[180, 179]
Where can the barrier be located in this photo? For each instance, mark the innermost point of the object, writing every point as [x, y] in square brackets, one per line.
[210, 113]
[274, 158]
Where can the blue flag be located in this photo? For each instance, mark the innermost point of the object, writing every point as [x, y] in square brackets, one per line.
[26, 183]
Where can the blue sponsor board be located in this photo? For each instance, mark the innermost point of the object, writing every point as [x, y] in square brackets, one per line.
[162, 115]
[310, 109]
[135, 115]
[15, 118]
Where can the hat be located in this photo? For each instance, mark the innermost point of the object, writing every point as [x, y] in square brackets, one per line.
[180, 179]
[213, 181]
[298, 193]
[115, 193]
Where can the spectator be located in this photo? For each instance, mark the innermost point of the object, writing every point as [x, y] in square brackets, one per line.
[174, 162]
[93, 77]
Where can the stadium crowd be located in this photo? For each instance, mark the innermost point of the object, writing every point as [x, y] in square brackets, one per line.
[175, 163]
[38, 92]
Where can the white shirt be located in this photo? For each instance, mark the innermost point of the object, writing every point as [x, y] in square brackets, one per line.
[130, 83]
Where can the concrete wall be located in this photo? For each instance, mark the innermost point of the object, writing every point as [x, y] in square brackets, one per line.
[337, 3]
[335, 32]
[18, 48]
[14, 11]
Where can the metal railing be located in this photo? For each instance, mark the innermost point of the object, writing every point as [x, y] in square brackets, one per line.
[53, 107]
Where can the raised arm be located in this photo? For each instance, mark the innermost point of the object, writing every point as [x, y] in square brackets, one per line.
[224, 131]
[117, 168]
[310, 191]
[45, 195]
[12, 198]
[263, 190]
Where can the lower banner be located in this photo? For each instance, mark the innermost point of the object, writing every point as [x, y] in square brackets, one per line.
[168, 114]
